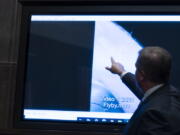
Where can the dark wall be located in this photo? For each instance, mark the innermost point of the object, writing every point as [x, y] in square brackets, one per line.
[8, 51]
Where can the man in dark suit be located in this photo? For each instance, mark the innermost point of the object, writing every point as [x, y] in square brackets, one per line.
[159, 110]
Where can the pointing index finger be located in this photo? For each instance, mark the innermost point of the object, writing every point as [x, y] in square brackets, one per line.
[112, 60]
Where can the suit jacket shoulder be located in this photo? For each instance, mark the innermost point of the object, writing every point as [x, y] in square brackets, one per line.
[159, 114]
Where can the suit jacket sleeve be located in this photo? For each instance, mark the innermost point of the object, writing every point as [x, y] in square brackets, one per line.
[130, 81]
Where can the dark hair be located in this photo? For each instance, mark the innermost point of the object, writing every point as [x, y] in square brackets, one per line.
[156, 63]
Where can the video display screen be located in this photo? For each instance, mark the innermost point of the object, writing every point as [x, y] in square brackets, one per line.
[65, 77]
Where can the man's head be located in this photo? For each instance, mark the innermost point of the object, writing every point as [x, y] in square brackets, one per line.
[153, 66]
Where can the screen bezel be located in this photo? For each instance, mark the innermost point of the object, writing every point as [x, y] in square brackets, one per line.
[71, 8]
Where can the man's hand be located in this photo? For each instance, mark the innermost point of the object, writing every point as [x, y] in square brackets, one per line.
[116, 68]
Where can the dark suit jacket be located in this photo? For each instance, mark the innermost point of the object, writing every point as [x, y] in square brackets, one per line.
[159, 114]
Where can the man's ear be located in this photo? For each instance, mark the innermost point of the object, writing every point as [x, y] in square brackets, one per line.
[142, 75]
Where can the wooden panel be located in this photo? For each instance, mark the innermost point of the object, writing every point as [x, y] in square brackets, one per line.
[6, 76]
[6, 22]
[7, 14]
